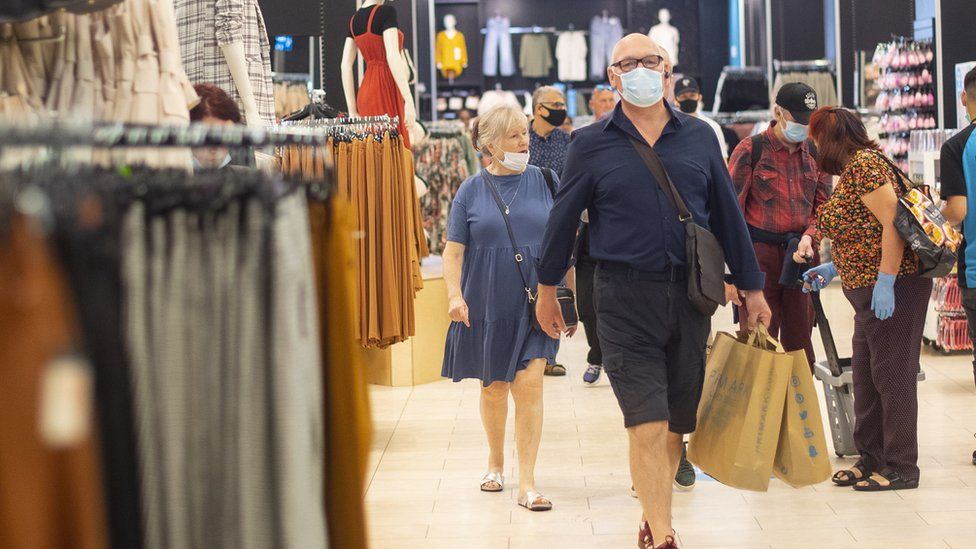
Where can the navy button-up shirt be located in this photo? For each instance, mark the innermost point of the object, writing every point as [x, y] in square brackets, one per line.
[632, 221]
[549, 151]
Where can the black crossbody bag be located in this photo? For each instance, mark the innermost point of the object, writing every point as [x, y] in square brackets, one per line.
[705, 258]
[565, 296]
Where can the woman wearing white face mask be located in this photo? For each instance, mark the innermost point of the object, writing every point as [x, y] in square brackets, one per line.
[492, 337]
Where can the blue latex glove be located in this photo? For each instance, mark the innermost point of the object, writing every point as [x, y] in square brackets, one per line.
[883, 297]
[819, 277]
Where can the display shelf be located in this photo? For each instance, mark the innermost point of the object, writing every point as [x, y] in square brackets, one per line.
[946, 327]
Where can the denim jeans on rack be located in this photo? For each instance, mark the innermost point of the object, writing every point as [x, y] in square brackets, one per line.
[498, 48]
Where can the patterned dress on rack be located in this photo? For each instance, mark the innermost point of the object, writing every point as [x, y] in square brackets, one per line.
[441, 163]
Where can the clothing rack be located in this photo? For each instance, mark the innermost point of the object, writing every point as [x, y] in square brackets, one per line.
[444, 128]
[537, 30]
[733, 71]
[810, 65]
[344, 127]
[143, 135]
[302, 77]
[741, 117]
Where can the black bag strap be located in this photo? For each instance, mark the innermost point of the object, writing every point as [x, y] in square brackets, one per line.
[550, 181]
[519, 258]
[653, 162]
[899, 175]
[757, 150]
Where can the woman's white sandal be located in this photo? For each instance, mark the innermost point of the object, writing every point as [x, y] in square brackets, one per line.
[497, 478]
[534, 501]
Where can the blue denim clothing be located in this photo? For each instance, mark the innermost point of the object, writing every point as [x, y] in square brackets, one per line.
[604, 35]
[632, 221]
[498, 47]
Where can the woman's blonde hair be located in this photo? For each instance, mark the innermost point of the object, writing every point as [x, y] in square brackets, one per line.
[494, 124]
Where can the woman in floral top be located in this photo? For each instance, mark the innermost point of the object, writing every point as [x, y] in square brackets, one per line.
[879, 273]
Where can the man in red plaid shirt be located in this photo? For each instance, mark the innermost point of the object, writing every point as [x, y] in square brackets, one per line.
[780, 188]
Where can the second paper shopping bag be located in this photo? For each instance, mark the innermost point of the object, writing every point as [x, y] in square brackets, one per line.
[801, 457]
[741, 410]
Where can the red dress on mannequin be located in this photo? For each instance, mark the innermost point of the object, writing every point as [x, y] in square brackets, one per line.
[378, 92]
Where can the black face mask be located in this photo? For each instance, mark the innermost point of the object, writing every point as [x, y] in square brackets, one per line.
[688, 106]
[556, 117]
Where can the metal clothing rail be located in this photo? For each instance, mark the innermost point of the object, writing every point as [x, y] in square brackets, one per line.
[384, 121]
[807, 65]
[302, 77]
[741, 117]
[537, 30]
[141, 135]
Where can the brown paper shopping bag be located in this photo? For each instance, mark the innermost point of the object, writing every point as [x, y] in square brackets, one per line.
[741, 410]
[801, 457]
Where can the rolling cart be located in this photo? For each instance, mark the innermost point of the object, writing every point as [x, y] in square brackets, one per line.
[838, 383]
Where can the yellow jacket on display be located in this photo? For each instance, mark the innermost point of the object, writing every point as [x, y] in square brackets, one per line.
[451, 53]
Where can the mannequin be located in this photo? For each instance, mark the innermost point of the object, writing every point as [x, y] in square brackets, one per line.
[667, 36]
[384, 88]
[236, 30]
[451, 50]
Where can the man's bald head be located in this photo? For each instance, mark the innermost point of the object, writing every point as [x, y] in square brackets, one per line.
[636, 46]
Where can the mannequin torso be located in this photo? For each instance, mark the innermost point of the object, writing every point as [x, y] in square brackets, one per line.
[667, 36]
[385, 18]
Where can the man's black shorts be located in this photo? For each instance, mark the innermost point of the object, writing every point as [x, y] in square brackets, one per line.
[653, 344]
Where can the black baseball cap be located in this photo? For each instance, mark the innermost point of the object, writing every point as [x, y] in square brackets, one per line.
[686, 84]
[799, 99]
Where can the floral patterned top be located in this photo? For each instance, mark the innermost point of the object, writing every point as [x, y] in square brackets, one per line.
[855, 232]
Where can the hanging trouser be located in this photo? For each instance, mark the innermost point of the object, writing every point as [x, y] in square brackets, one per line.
[50, 489]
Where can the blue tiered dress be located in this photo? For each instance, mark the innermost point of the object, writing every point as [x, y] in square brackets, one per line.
[501, 339]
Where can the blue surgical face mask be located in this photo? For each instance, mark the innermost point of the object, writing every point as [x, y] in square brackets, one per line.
[796, 133]
[642, 87]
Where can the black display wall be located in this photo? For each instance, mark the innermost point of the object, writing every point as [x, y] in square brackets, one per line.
[703, 25]
[684, 17]
[335, 29]
[958, 46]
[468, 18]
[863, 25]
[798, 30]
[292, 17]
[295, 17]
[714, 45]
[547, 13]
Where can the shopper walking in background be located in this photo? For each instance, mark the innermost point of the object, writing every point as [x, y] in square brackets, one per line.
[602, 102]
[217, 108]
[879, 273]
[780, 188]
[492, 337]
[958, 169]
[548, 144]
[688, 98]
[653, 339]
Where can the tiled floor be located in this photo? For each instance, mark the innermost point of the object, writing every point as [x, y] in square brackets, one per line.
[430, 453]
